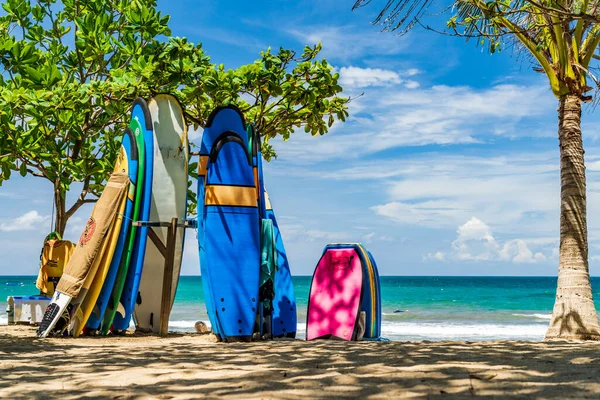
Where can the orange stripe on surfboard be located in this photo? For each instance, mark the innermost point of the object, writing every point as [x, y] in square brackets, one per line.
[225, 195]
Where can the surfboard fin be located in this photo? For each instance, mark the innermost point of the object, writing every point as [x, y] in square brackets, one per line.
[121, 309]
[49, 315]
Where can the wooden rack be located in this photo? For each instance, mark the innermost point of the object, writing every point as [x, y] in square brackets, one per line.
[168, 252]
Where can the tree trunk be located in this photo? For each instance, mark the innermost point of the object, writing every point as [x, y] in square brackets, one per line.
[574, 315]
[61, 213]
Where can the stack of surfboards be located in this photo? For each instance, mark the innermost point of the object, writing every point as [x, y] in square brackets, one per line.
[116, 272]
[245, 273]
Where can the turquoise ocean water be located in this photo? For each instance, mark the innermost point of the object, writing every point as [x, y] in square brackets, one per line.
[434, 308]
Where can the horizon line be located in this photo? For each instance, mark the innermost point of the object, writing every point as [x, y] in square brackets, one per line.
[408, 276]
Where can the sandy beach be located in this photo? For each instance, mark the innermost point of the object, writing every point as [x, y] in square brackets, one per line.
[186, 366]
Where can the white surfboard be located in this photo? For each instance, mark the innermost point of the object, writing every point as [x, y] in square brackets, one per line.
[55, 312]
[169, 199]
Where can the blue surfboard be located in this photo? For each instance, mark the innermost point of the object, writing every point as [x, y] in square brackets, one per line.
[220, 120]
[266, 290]
[130, 147]
[228, 236]
[285, 318]
[129, 296]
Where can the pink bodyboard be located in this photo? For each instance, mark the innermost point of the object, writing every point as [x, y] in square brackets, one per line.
[334, 300]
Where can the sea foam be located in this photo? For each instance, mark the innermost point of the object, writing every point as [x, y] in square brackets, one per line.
[440, 331]
[539, 316]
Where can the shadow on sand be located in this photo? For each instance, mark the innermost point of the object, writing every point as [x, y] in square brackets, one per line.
[189, 366]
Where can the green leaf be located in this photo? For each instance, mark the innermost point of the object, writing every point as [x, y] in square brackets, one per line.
[67, 86]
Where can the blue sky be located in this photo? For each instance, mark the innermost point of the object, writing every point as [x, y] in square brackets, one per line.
[448, 164]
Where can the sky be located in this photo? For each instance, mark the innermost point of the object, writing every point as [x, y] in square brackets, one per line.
[448, 164]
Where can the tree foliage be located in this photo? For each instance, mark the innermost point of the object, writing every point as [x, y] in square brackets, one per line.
[71, 69]
[559, 36]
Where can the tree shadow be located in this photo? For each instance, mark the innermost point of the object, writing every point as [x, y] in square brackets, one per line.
[187, 366]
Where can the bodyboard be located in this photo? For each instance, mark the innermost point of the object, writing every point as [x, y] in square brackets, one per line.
[335, 295]
[374, 324]
[371, 297]
[169, 199]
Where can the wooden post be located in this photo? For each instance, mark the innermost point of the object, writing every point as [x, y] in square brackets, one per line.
[165, 305]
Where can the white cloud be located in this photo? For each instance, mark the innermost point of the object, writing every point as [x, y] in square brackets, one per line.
[191, 258]
[224, 35]
[195, 135]
[502, 101]
[516, 194]
[437, 256]
[412, 84]
[31, 220]
[390, 117]
[374, 237]
[367, 238]
[475, 242]
[412, 72]
[350, 42]
[299, 233]
[355, 77]
[428, 212]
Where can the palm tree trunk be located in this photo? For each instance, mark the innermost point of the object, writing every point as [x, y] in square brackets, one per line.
[574, 315]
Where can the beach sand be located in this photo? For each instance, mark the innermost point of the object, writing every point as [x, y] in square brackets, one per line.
[194, 366]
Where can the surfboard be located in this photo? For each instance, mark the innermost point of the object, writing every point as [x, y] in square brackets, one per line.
[283, 304]
[56, 317]
[127, 163]
[79, 272]
[335, 295]
[122, 304]
[221, 119]
[169, 199]
[371, 298]
[228, 236]
[285, 318]
[139, 120]
[91, 288]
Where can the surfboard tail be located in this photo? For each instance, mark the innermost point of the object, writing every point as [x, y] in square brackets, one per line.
[56, 317]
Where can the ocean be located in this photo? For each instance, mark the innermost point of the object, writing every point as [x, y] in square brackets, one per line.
[433, 308]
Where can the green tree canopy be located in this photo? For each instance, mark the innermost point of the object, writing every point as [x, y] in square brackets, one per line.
[71, 69]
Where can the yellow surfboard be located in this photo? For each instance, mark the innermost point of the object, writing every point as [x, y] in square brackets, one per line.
[95, 281]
